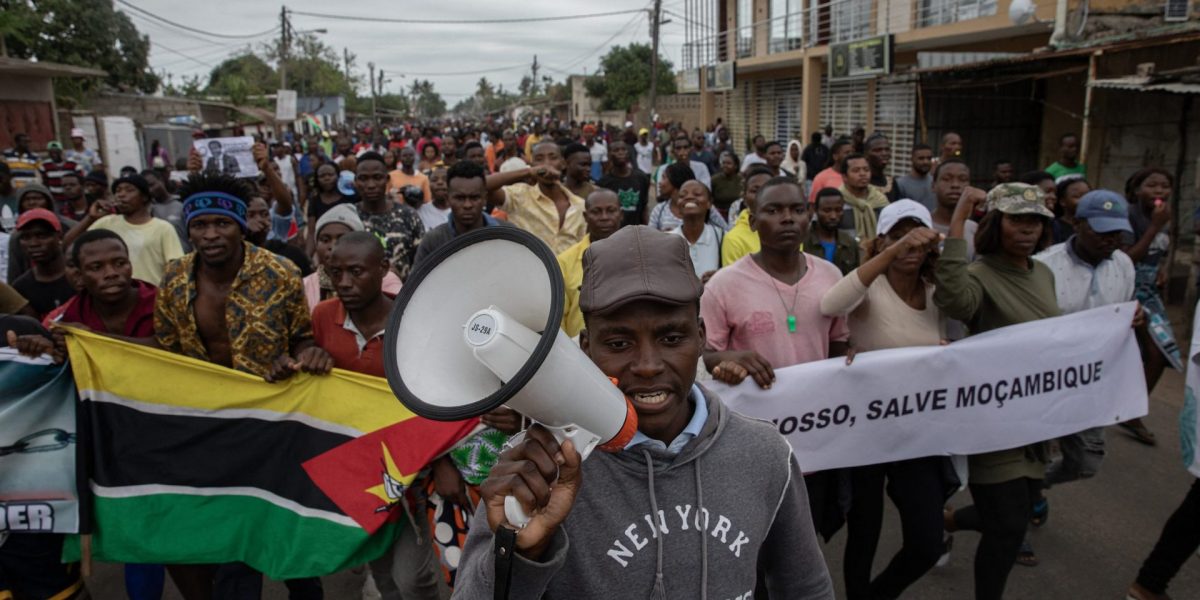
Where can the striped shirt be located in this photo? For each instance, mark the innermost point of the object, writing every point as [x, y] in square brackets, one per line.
[52, 173]
[24, 167]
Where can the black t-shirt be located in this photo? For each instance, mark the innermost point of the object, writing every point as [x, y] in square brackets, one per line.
[633, 191]
[316, 207]
[292, 253]
[44, 296]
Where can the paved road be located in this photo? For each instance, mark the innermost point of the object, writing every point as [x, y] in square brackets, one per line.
[1099, 530]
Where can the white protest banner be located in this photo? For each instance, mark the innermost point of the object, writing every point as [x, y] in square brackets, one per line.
[231, 156]
[1002, 389]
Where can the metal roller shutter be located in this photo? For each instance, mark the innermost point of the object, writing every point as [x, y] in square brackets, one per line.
[778, 115]
[843, 105]
[767, 107]
[895, 117]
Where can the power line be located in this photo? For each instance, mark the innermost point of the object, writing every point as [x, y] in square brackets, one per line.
[191, 58]
[174, 32]
[439, 73]
[374, 19]
[194, 30]
[566, 70]
[221, 53]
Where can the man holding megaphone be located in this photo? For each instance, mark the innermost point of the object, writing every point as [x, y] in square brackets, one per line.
[702, 503]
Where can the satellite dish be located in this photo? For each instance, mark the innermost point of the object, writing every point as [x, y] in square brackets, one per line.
[1021, 12]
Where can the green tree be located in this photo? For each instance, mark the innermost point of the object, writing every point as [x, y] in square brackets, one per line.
[625, 77]
[243, 76]
[17, 23]
[313, 68]
[85, 33]
[426, 103]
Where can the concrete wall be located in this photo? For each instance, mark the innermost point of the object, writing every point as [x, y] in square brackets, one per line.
[144, 109]
[26, 87]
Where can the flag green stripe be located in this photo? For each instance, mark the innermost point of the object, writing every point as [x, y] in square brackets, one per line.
[219, 529]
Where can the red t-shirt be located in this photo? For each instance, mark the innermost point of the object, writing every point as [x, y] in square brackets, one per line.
[329, 330]
[80, 309]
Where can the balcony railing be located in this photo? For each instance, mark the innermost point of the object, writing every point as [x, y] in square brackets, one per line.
[829, 22]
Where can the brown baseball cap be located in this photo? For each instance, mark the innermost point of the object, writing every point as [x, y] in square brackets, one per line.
[637, 263]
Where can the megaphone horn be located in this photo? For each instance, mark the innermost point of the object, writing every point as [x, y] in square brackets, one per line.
[477, 326]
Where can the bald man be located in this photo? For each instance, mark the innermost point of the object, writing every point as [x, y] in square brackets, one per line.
[952, 146]
[602, 213]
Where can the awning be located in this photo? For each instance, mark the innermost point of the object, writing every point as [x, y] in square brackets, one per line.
[17, 66]
[1146, 84]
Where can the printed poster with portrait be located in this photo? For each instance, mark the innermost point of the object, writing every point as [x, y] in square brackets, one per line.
[231, 156]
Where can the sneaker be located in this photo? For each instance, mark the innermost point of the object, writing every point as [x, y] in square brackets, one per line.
[947, 545]
[1137, 592]
[369, 590]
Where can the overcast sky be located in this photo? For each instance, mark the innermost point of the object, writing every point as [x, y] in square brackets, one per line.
[435, 52]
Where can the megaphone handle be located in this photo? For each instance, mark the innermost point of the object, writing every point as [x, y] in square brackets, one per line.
[584, 442]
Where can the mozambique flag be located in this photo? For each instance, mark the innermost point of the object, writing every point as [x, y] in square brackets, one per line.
[192, 462]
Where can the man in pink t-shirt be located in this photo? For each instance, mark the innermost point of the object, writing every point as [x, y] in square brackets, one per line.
[763, 312]
[831, 177]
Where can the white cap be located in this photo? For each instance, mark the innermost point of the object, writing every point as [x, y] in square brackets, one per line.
[77, 132]
[899, 211]
[628, 124]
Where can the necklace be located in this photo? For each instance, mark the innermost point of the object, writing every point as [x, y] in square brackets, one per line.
[791, 310]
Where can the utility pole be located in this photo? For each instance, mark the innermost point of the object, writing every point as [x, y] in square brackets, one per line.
[533, 87]
[284, 41]
[346, 59]
[379, 89]
[371, 66]
[655, 19]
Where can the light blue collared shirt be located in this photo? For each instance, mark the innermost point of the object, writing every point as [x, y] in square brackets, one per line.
[699, 418]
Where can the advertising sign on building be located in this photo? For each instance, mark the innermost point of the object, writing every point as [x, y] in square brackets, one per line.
[719, 77]
[864, 58]
[689, 81]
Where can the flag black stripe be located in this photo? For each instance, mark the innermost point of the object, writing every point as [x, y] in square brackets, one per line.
[138, 448]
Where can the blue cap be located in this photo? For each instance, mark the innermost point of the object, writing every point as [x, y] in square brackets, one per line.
[1105, 211]
[346, 183]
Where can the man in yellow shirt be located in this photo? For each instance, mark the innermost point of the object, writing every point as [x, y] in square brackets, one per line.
[408, 175]
[545, 207]
[742, 239]
[531, 140]
[604, 217]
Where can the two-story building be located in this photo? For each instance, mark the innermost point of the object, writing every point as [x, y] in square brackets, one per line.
[1010, 76]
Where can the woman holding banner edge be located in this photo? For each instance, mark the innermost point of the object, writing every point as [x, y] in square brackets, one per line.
[889, 304]
[1004, 287]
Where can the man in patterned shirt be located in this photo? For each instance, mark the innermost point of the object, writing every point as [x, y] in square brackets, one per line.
[397, 226]
[231, 303]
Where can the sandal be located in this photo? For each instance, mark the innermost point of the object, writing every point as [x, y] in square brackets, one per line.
[1138, 430]
[1041, 512]
[1026, 557]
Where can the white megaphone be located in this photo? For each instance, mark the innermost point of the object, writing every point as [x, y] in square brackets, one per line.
[477, 325]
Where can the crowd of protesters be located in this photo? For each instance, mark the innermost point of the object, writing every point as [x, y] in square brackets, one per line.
[791, 253]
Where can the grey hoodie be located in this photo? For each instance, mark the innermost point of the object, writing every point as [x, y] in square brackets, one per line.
[704, 543]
